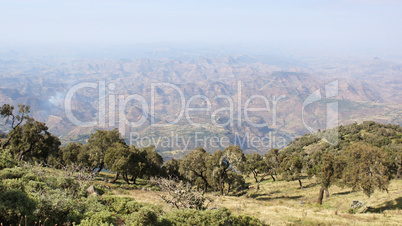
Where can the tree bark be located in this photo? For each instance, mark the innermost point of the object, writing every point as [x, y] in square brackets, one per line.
[134, 179]
[115, 178]
[301, 185]
[262, 178]
[125, 177]
[320, 196]
[255, 176]
[221, 186]
[205, 184]
[326, 193]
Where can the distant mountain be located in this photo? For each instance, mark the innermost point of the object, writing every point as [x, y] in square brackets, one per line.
[366, 91]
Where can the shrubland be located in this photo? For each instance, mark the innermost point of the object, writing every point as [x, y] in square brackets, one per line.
[105, 181]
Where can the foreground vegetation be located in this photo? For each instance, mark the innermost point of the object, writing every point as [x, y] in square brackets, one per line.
[308, 181]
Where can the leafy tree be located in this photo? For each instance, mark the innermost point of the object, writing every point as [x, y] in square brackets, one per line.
[195, 165]
[33, 140]
[327, 169]
[153, 162]
[272, 162]
[366, 168]
[253, 164]
[223, 166]
[270, 165]
[291, 167]
[118, 158]
[98, 143]
[70, 153]
[171, 169]
[7, 113]
[394, 159]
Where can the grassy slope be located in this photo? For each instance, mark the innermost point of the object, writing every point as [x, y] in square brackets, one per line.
[281, 202]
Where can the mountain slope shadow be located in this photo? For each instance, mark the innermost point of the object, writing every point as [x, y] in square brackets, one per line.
[279, 197]
[390, 205]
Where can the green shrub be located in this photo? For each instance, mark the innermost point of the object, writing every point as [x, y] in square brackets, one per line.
[98, 218]
[133, 206]
[243, 220]
[198, 217]
[92, 222]
[67, 183]
[15, 204]
[13, 184]
[29, 176]
[6, 160]
[12, 173]
[120, 205]
[58, 207]
[144, 216]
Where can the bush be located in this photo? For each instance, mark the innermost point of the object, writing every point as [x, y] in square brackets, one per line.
[198, 217]
[121, 205]
[58, 207]
[12, 173]
[243, 220]
[6, 160]
[13, 184]
[103, 216]
[144, 216]
[94, 221]
[15, 204]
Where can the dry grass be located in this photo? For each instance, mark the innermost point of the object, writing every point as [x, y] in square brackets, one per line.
[284, 203]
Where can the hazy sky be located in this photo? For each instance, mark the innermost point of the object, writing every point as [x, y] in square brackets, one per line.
[373, 25]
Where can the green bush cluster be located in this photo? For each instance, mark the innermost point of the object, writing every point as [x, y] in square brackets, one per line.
[59, 200]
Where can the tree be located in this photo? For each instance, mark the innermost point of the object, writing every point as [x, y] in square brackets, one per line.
[32, 139]
[153, 162]
[366, 168]
[7, 113]
[171, 169]
[218, 170]
[195, 165]
[118, 158]
[327, 169]
[223, 166]
[394, 158]
[291, 167]
[98, 143]
[272, 162]
[70, 153]
[253, 164]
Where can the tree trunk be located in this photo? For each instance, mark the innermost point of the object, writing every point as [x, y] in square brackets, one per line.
[25, 152]
[326, 193]
[125, 177]
[262, 178]
[134, 178]
[205, 184]
[115, 178]
[301, 185]
[320, 196]
[255, 176]
[222, 186]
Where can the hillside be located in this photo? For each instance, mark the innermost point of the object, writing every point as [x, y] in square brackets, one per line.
[285, 85]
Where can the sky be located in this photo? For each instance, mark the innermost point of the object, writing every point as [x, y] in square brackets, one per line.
[327, 25]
